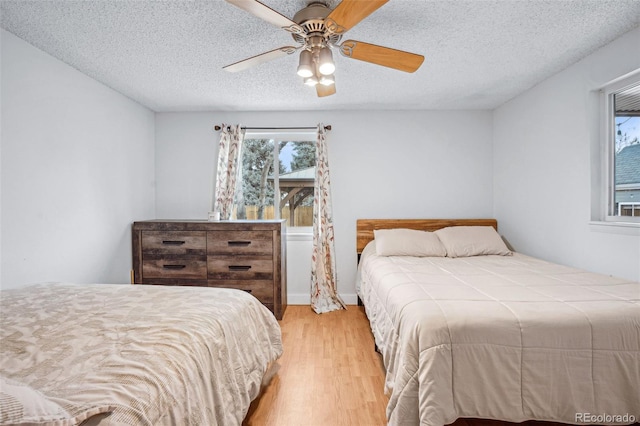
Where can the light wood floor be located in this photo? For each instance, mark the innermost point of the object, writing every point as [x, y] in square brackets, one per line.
[330, 375]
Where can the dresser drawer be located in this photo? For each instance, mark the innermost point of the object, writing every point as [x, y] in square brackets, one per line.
[246, 243]
[262, 290]
[174, 268]
[238, 268]
[173, 242]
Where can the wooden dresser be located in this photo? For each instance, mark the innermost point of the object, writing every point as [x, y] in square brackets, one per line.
[247, 255]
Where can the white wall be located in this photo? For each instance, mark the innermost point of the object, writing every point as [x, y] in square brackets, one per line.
[383, 164]
[79, 162]
[547, 164]
[77, 169]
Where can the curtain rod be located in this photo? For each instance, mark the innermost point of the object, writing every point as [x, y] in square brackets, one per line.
[327, 127]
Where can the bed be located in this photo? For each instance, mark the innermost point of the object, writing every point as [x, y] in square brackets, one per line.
[495, 336]
[107, 354]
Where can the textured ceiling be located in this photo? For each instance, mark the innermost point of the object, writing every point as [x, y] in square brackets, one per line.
[168, 55]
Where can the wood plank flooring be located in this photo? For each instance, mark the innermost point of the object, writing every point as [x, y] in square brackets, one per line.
[330, 375]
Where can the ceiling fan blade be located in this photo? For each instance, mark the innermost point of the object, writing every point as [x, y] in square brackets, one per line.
[379, 55]
[261, 58]
[323, 90]
[349, 13]
[265, 13]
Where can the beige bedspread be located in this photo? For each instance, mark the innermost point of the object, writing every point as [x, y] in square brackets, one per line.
[158, 355]
[503, 337]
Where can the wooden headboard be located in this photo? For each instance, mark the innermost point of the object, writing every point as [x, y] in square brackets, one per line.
[365, 227]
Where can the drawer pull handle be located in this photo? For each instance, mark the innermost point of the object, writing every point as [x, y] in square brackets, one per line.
[239, 267]
[174, 266]
[173, 242]
[239, 243]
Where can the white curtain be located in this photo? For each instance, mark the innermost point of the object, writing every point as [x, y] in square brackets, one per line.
[229, 159]
[324, 285]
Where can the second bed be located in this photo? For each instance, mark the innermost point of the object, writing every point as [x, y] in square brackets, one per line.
[488, 333]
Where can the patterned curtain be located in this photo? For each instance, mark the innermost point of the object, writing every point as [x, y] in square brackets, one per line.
[324, 285]
[228, 164]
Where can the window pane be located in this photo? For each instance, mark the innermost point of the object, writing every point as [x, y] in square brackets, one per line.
[627, 152]
[254, 194]
[298, 160]
[255, 197]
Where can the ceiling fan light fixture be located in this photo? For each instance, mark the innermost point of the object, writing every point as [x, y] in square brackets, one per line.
[327, 80]
[325, 61]
[318, 29]
[305, 66]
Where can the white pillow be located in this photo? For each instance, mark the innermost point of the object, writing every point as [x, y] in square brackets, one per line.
[21, 404]
[407, 242]
[465, 241]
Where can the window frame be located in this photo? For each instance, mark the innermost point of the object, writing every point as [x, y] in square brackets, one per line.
[609, 147]
[278, 136]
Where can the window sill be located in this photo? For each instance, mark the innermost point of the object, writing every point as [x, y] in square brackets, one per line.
[299, 236]
[626, 228]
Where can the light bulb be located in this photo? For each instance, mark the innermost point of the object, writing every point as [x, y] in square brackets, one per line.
[327, 80]
[305, 65]
[325, 61]
[311, 81]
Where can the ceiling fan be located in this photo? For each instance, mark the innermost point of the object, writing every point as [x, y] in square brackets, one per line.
[317, 30]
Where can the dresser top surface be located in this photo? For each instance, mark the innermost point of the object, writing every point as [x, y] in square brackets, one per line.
[194, 225]
[209, 221]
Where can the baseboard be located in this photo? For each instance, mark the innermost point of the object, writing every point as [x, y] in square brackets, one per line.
[305, 299]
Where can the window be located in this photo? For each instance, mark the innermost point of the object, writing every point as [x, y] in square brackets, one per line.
[276, 180]
[622, 106]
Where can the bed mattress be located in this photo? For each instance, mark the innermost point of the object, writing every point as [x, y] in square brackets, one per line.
[143, 355]
[511, 338]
